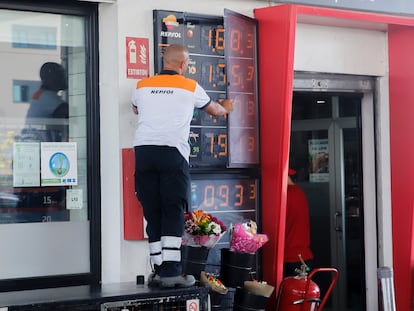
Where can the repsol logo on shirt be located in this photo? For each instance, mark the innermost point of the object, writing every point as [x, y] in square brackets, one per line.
[155, 92]
[170, 34]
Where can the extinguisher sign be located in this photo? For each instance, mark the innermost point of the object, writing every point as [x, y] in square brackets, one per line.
[137, 58]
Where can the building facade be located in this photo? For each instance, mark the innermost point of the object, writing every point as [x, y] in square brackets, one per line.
[334, 95]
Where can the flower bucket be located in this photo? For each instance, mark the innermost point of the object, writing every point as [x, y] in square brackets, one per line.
[216, 299]
[245, 300]
[217, 290]
[194, 259]
[235, 267]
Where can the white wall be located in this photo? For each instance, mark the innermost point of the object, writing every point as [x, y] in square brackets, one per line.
[341, 50]
[123, 260]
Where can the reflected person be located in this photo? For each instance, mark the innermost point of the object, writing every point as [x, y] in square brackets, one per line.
[47, 103]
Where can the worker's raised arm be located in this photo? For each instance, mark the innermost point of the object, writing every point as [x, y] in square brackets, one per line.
[220, 108]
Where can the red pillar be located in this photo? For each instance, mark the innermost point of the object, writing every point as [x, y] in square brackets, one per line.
[276, 46]
[401, 77]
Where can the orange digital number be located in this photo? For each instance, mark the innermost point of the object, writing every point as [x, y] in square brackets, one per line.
[210, 38]
[209, 196]
[223, 193]
[218, 36]
[250, 73]
[220, 39]
[235, 40]
[249, 44]
[210, 75]
[212, 144]
[235, 75]
[251, 108]
[222, 142]
[222, 71]
[250, 144]
[244, 107]
[252, 191]
[239, 195]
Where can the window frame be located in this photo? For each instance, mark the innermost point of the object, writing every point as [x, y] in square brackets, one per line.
[90, 12]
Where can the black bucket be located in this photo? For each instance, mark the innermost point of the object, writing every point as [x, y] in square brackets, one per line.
[245, 300]
[194, 260]
[222, 302]
[216, 300]
[235, 267]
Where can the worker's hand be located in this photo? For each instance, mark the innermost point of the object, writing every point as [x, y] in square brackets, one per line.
[227, 104]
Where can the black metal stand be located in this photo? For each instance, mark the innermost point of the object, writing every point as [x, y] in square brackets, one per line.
[127, 296]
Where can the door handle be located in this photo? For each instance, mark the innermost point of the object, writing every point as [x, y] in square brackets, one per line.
[337, 226]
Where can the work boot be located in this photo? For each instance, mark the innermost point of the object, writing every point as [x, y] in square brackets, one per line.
[154, 280]
[178, 281]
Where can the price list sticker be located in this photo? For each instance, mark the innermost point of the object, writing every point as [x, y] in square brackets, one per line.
[74, 198]
[26, 164]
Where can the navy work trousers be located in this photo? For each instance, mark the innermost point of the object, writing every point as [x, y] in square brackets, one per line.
[162, 183]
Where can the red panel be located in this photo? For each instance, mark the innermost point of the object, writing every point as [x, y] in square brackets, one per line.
[401, 69]
[133, 217]
[276, 46]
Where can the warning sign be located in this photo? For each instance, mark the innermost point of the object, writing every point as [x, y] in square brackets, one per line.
[137, 58]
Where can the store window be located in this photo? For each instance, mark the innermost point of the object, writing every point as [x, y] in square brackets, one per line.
[34, 37]
[48, 87]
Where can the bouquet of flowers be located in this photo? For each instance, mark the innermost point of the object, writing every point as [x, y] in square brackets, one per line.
[259, 288]
[213, 283]
[245, 239]
[202, 229]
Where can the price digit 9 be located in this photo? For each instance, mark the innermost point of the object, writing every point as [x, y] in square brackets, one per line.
[223, 193]
[221, 141]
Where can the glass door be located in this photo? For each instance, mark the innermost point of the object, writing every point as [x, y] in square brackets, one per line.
[325, 151]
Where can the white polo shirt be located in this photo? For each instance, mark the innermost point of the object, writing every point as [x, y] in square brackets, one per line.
[165, 105]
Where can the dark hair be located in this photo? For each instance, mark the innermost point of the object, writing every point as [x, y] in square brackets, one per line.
[53, 77]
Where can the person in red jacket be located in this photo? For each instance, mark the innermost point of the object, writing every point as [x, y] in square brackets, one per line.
[297, 233]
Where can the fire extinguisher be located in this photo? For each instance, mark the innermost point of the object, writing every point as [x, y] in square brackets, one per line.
[300, 293]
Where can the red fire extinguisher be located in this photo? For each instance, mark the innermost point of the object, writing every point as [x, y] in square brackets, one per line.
[300, 293]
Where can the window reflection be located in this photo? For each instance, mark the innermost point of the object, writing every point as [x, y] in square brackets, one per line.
[43, 60]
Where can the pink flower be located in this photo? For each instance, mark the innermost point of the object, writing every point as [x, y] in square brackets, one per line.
[245, 239]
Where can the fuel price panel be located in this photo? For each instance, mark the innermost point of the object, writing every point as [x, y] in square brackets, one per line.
[230, 200]
[204, 38]
[223, 62]
[241, 61]
[208, 134]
